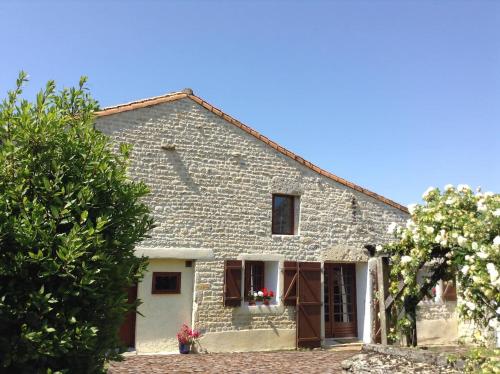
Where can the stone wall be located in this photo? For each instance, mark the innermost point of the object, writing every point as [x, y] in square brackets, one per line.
[211, 187]
[437, 323]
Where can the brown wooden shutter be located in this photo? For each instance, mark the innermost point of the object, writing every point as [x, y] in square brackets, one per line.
[290, 283]
[309, 305]
[232, 283]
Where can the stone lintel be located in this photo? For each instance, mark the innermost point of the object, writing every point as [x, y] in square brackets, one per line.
[175, 253]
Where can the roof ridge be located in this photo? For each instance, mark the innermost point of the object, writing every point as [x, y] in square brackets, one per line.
[188, 93]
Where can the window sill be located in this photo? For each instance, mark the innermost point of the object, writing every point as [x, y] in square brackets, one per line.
[261, 309]
[285, 236]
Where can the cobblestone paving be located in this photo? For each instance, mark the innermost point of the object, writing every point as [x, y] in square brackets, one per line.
[252, 362]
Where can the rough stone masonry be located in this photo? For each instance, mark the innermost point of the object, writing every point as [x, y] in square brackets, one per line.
[211, 187]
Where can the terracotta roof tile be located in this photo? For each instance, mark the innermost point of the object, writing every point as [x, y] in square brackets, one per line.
[188, 94]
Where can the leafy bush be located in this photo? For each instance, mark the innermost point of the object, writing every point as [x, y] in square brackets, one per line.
[69, 220]
[456, 234]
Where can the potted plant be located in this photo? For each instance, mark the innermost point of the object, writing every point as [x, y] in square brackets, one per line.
[259, 296]
[251, 298]
[267, 295]
[186, 337]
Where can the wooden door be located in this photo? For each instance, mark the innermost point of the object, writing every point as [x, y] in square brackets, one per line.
[127, 330]
[340, 301]
[309, 305]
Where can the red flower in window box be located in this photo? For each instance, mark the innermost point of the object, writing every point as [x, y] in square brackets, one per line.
[267, 295]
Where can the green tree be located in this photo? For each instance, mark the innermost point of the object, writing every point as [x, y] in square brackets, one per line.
[69, 220]
[454, 234]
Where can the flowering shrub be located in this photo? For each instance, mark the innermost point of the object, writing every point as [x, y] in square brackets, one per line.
[267, 294]
[455, 233]
[186, 335]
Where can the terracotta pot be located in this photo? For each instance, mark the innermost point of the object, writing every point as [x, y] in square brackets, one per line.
[266, 302]
[251, 302]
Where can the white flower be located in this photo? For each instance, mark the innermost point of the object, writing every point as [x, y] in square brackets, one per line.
[465, 269]
[493, 323]
[427, 192]
[488, 194]
[463, 188]
[474, 246]
[379, 248]
[492, 271]
[481, 207]
[496, 213]
[448, 187]
[470, 305]
[461, 241]
[405, 259]
[412, 208]
[410, 225]
[260, 293]
[450, 201]
[439, 217]
[429, 229]
[255, 294]
[496, 241]
[482, 255]
[391, 229]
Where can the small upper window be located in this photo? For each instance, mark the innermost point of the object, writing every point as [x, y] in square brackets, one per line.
[166, 283]
[283, 215]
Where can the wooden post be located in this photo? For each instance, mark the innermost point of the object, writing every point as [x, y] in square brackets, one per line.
[372, 274]
[383, 291]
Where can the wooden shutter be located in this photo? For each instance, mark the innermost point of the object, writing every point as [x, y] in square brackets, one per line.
[290, 283]
[232, 283]
[309, 305]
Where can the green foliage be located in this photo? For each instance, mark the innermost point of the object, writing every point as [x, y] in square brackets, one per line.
[483, 360]
[69, 220]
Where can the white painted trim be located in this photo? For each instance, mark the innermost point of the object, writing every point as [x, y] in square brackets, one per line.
[175, 253]
[260, 309]
[261, 257]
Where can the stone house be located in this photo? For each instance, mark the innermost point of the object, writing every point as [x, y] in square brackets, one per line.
[236, 212]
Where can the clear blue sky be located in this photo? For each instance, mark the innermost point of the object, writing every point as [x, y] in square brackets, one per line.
[392, 95]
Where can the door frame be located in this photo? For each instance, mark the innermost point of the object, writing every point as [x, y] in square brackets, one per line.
[127, 333]
[330, 334]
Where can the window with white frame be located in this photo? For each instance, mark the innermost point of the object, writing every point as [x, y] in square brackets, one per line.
[259, 275]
